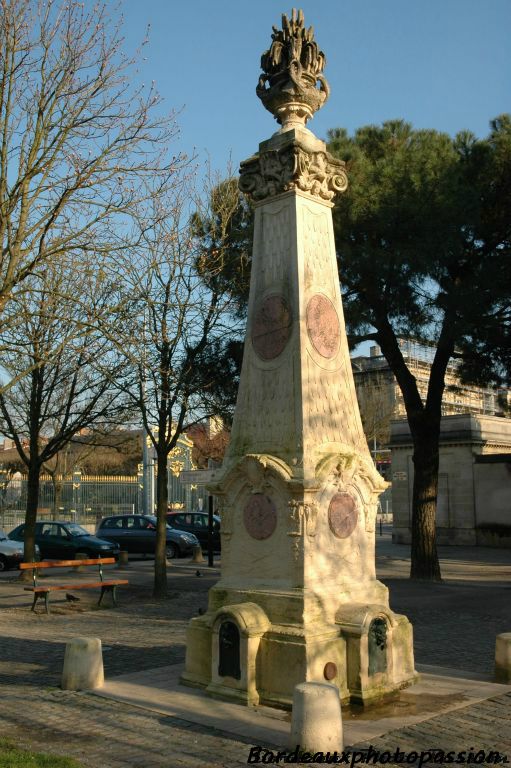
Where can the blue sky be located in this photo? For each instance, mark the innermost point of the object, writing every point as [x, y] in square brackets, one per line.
[441, 64]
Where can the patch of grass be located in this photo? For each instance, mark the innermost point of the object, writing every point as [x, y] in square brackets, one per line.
[12, 757]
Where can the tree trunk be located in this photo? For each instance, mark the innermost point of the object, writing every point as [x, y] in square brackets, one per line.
[160, 555]
[34, 470]
[57, 496]
[424, 556]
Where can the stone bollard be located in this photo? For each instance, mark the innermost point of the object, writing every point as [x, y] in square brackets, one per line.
[316, 721]
[80, 568]
[83, 664]
[503, 658]
[123, 558]
[197, 554]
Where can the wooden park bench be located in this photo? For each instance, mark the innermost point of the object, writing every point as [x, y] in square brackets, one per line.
[109, 585]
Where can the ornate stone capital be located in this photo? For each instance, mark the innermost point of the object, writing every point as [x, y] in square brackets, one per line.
[292, 167]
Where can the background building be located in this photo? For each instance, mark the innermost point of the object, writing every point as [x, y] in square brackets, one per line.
[474, 481]
[373, 373]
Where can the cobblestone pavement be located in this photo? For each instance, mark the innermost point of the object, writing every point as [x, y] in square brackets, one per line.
[455, 622]
[485, 725]
[106, 734]
[455, 625]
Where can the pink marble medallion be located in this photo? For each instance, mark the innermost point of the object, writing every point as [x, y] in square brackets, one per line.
[272, 327]
[260, 516]
[342, 515]
[323, 325]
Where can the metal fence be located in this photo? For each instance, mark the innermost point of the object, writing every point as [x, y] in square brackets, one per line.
[385, 504]
[84, 499]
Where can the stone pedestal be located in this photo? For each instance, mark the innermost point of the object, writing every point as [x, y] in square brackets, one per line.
[123, 559]
[80, 568]
[503, 658]
[316, 724]
[197, 554]
[83, 664]
[298, 600]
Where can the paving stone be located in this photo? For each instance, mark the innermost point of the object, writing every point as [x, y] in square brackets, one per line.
[455, 624]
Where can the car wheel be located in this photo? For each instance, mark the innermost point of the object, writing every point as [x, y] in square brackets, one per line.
[3, 563]
[171, 551]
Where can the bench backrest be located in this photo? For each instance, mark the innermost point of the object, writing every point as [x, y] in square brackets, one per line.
[66, 563]
[34, 567]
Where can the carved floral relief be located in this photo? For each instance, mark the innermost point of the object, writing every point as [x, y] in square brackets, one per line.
[292, 168]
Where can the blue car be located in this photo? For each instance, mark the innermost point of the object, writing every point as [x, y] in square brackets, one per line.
[137, 533]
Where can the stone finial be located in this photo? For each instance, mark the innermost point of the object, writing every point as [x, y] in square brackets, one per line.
[292, 68]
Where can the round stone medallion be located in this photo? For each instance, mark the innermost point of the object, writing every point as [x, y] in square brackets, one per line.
[260, 516]
[342, 515]
[323, 326]
[330, 670]
[272, 327]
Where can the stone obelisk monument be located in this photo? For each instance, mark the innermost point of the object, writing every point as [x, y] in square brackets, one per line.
[298, 599]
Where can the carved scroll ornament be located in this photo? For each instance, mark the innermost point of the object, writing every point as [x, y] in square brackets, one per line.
[292, 168]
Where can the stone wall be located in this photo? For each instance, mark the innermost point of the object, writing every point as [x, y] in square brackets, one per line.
[474, 489]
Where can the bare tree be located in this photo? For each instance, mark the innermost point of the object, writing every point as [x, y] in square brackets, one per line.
[8, 470]
[111, 452]
[72, 368]
[76, 135]
[375, 395]
[179, 321]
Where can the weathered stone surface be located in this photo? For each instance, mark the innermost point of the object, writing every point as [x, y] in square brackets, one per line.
[503, 658]
[316, 723]
[260, 516]
[298, 489]
[342, 515]
[292, 68]
[323, 325]
[272, 327]
[83, 664]
[293, 165]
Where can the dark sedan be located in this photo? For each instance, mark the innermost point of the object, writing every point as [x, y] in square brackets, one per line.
[196, 523]
[61, 541]
[137, 533]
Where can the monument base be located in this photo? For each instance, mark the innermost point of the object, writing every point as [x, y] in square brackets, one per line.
[236, 652]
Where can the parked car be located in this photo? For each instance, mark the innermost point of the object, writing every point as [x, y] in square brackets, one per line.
[11, 552]
[137, 533]
[61, 541]
[196, 523]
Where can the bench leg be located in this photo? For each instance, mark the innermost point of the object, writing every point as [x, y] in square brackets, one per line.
[112, 590]
[39, 596]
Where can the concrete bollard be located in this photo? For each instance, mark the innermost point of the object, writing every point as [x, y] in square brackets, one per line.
[80, 568]
[197, 554]
[503, 658]
[123, 559]
[83, 664]
[316, 721]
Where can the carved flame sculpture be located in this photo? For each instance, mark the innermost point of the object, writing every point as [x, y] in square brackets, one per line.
[292, 68]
